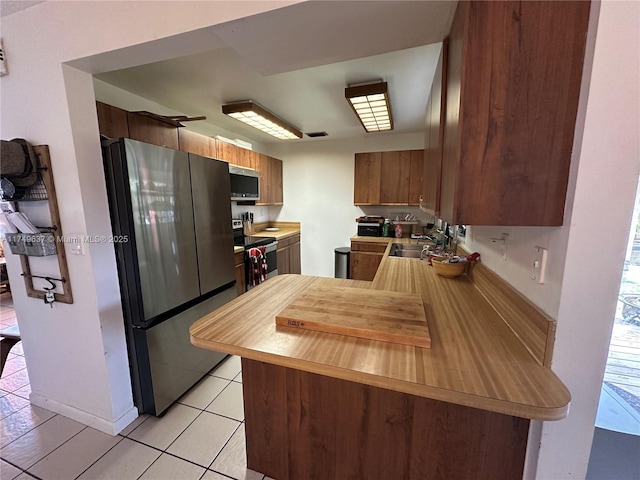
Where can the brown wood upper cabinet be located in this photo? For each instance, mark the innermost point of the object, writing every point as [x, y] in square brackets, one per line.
[269, 168]
[112, 121]
[434, 138]
[117, 123]
[150, 130]
[513, 77]
[388, 178]
[192, 142]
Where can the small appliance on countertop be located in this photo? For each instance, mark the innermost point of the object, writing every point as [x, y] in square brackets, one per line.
[370, 226]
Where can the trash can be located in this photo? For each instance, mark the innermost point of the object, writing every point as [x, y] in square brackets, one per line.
[342, 262]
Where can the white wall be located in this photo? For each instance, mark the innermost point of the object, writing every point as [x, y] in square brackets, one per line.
[76, 354]
[607, 178]
[318, 192]
[82, 371]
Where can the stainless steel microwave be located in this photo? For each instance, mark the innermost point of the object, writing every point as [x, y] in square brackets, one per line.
[245, 183]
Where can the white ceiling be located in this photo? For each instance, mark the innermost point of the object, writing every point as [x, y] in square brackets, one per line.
[296, 62]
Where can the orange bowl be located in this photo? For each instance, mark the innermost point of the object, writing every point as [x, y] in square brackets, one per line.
[448, 269]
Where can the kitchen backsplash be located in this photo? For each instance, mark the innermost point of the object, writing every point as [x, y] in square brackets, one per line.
[260, 213]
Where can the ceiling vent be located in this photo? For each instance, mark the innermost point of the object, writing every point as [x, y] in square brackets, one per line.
[317, 134]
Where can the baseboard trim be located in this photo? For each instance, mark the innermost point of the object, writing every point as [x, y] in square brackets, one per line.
[88, 419]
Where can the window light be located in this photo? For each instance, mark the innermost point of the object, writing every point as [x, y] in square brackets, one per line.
[371, 105]
[259, 117]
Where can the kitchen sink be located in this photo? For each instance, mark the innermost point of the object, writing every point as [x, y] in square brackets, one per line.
[407, 250]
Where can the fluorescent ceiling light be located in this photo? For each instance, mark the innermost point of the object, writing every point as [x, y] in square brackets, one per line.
[259, 117]
[371, 105]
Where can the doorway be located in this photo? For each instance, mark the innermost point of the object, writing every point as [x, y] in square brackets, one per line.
[616, 438]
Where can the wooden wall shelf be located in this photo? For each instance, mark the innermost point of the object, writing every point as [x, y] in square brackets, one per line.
[47, 179]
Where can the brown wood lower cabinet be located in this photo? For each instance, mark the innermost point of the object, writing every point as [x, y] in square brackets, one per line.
[289, 255]
[241, 284]
[365, 259]
[304, 425]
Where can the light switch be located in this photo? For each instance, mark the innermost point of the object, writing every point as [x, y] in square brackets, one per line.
[538, 264]
[75, 244]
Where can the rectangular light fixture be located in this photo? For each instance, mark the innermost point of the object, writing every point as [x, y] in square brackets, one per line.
[259, 117]
[371, 104]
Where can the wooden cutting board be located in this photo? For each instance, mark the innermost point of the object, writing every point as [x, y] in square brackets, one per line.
[376, 315]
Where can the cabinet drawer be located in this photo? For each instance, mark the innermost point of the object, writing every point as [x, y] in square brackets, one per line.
[285, 242]
[368, 247]
[239, 258]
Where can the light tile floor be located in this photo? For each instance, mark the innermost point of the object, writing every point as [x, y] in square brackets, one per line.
[200, 437]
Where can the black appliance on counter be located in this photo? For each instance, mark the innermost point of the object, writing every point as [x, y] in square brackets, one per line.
[172, 213]
[370, 226]
[248, 242]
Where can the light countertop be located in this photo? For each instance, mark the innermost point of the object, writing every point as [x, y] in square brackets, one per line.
[474, 359]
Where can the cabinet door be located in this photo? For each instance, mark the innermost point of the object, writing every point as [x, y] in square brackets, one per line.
[514, 78]
[263, 167]
[294, 256]
[228, 152]
[367, 178]
[150, 130]
[275, 181]
[245, 158]
[192, 142]
[364, 265]
[434, 137]
[416, 171]
[451, 146]
[241, 284]
[394, 178]
[283, 261]
[112, 121]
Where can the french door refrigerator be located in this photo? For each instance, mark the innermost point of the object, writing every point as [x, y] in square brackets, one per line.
[171, 220]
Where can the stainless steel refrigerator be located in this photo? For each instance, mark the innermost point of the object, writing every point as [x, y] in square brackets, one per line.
[171, 220]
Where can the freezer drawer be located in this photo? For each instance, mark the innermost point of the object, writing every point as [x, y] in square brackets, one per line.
[173, 365]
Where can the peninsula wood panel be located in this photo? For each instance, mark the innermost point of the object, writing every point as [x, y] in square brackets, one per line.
[304, 425]
[112, 121]
[364, 265]
[513, 82]
[149, 130]
[474, 360]
[367, 178]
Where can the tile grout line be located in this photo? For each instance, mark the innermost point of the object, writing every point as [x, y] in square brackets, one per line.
[31, 429]
[98, 459]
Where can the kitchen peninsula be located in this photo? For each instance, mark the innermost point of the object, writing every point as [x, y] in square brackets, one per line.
[322, 405]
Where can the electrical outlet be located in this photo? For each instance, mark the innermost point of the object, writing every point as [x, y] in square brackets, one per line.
[75, 244]
[261, 212]
[538, 264]
[502, 241]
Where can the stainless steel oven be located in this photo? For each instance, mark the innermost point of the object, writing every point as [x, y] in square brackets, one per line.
[270, 245]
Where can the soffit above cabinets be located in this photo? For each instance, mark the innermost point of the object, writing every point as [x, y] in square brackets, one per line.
[296, 62]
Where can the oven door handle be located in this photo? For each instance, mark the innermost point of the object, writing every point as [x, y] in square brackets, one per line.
[272, 247]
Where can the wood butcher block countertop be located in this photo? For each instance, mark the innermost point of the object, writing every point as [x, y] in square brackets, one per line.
[474, 360]
[285, 230]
